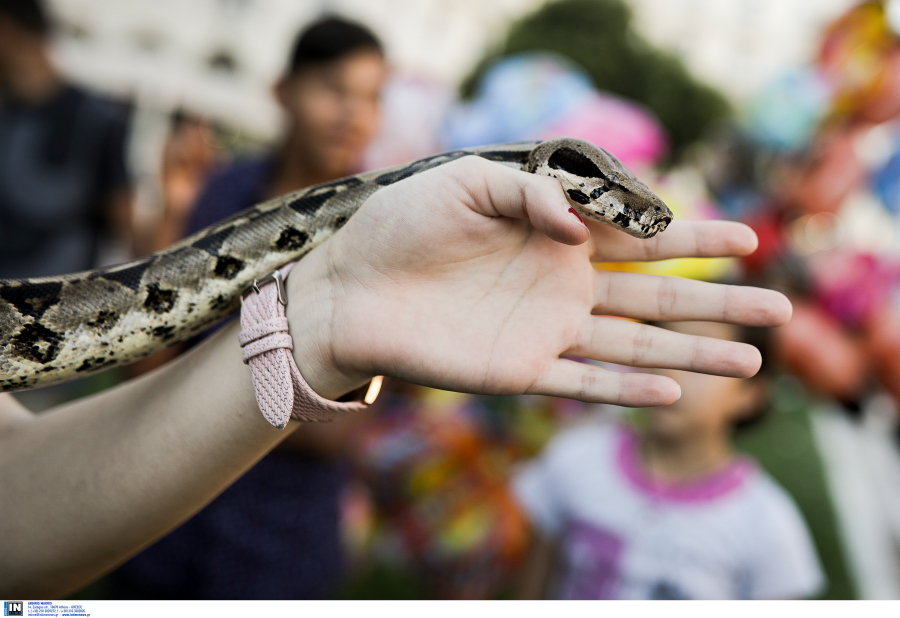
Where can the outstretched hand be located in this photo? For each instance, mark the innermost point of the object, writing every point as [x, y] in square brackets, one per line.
[475, 277]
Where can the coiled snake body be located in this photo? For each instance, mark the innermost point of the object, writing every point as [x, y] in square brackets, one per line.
[54, 329]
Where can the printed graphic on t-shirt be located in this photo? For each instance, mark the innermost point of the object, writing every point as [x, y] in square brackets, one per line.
[593, 556]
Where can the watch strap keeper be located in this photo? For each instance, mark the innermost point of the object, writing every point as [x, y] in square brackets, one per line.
[281, 391]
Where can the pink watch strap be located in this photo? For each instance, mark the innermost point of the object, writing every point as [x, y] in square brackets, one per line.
[281, 391]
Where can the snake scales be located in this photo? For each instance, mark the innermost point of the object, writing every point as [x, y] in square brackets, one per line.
[54, 329]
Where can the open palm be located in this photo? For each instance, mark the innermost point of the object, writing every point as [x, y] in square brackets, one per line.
[475, 277]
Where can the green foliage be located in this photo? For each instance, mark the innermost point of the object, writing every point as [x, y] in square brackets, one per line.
[597, 34]
[783, 443]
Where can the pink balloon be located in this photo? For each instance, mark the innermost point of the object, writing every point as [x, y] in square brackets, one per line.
[621, 127]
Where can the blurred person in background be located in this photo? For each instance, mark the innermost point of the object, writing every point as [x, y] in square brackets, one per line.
[63, 181]
[274, 534]
[667, 512]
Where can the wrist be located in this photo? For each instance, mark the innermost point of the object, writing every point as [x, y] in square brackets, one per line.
[314, 297]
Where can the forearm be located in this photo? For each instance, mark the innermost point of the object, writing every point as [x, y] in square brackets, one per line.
[89, 485]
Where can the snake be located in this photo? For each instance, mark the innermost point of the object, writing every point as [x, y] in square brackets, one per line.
[55, 329]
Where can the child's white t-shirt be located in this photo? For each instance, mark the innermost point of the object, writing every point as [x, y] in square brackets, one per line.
[733, 535]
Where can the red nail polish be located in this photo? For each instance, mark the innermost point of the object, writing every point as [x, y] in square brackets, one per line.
[572, 210]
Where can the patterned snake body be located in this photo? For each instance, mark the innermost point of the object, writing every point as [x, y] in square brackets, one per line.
[54, 329]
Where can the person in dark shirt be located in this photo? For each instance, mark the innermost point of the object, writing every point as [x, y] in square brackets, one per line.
[274, 534]
[63, 180]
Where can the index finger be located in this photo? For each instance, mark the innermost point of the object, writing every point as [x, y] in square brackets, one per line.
[680, 239]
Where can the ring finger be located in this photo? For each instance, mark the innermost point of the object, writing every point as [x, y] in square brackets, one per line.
[628, 343]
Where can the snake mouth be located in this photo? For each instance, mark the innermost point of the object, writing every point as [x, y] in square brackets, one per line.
[650, 230]
[644, 231]
[628, 220]
[648, 223]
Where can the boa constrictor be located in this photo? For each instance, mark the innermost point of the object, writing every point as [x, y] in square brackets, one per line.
[54, 329]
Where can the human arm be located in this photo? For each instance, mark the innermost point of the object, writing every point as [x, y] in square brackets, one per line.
[100, 478]
[113, 180]
[440, 279]
[121, 219]
[538, 567]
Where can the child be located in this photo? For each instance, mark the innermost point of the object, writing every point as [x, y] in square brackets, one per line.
[669, 512]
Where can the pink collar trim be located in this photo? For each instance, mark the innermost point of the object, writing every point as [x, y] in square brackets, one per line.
[708, 488]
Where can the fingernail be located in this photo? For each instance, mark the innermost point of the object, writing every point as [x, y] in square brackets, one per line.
[577, 216]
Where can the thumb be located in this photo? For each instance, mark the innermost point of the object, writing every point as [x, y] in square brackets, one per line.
[500, 191]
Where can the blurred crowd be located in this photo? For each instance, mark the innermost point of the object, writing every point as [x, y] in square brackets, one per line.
[434, 494]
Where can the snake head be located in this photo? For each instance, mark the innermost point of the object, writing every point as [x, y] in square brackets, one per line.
[600, 187]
